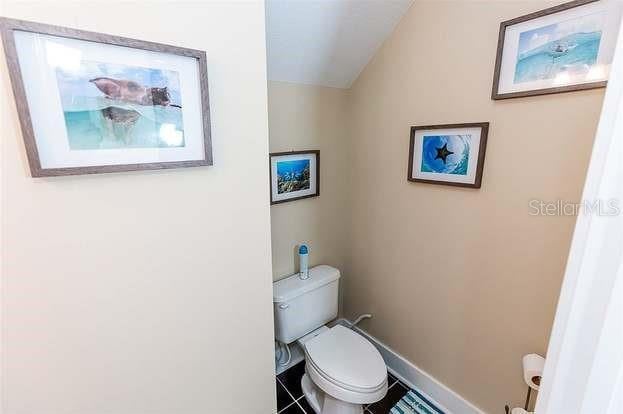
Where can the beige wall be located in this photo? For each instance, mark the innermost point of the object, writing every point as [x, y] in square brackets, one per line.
[145, 292]
[462, 282]
[311, 117]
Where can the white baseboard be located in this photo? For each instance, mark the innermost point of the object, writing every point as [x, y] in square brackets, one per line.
[446, 399]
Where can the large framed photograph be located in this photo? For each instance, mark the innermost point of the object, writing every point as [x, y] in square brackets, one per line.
[561, 49]
[294, 175]
[452, 154]
[94, 103]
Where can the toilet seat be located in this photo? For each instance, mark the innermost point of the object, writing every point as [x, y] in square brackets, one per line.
[346, 366]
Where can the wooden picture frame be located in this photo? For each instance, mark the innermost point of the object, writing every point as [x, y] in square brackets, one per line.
[202, 152]
[296, 163]
[464, 169]
[516, 76]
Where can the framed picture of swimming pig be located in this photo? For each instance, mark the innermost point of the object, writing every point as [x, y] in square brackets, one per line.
[565, 48]
[93, 103]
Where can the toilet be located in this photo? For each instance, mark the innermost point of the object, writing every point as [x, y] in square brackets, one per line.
[343, 370]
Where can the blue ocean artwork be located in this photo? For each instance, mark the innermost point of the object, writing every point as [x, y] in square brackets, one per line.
[445, 154]
[112, 106]
[292, 175]
[570, 47]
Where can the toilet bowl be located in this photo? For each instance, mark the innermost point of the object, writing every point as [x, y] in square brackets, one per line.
[343, 371]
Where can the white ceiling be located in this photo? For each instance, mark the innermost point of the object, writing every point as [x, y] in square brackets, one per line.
[326, 42]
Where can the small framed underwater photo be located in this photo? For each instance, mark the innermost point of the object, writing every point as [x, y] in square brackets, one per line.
[95, 103]
[565, 48]
[294, 175]
[452, 154]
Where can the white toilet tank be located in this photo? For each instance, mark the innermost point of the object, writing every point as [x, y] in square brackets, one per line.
[303, 305]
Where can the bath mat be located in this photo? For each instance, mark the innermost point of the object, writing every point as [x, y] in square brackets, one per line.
[414, 403]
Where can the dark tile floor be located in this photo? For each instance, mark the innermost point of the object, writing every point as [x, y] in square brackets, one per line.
[290, 399]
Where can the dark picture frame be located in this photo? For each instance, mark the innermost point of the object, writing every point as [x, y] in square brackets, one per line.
[480, 159]
[7, 29]
[495, 92]
[315, 176]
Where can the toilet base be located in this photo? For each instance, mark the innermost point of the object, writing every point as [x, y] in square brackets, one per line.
[323, 403]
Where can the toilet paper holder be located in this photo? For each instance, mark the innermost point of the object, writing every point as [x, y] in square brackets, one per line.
[532, 365]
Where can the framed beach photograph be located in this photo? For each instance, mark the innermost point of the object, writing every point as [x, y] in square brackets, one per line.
[561, 49]
[452, 154]
[294, 175]
[95, 103]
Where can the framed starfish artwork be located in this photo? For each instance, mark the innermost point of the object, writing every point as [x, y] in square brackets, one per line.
[452, 154]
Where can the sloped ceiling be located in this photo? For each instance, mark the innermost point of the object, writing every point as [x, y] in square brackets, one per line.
[326, 42]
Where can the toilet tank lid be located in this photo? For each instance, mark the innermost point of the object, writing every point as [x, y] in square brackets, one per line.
[293, 286]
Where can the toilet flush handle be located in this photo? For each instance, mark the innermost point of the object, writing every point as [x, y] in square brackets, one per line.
[284, 306]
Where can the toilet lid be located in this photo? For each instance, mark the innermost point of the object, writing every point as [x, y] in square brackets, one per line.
[347, 358]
